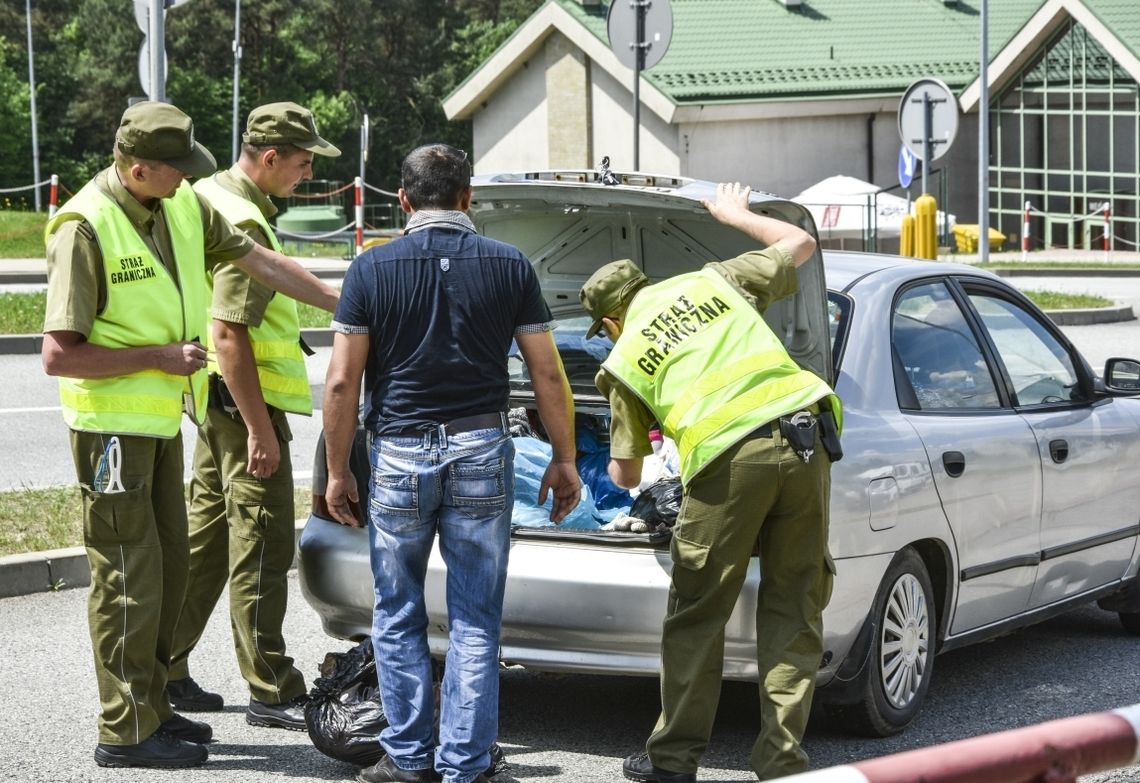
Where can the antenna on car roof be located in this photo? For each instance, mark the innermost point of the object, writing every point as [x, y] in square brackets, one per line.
[607, 176]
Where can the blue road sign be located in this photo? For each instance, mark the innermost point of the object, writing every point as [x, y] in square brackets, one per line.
[908, 165]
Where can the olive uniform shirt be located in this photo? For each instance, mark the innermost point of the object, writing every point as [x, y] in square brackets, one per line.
[76, 282]
[762, 277]
[238, 298]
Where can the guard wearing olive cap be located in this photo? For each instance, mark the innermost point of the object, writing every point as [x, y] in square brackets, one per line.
[693, 354]
[126, 306]
[241, 496]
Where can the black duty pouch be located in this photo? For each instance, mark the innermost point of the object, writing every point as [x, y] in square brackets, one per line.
[799, 431]
[829, 435]
[220, 396]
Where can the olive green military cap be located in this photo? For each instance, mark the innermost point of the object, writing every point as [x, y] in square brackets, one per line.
[286, 123]
[158, 131]
[609, 290]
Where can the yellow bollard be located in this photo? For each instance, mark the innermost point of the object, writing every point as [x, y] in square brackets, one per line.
[906, 236]
[926, 227]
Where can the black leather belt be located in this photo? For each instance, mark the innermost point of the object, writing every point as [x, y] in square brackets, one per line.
[481, 421]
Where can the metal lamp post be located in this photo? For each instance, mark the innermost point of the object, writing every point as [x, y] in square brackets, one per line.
[984, 141]
[237, 74]
[32, 101]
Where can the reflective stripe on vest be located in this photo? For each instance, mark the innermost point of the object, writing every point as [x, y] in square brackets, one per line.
[276, 341]
[703, 360]
[145, 306]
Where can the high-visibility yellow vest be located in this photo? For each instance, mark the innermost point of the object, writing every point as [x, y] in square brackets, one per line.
[145, 306]
[703, 360]
[276, 341]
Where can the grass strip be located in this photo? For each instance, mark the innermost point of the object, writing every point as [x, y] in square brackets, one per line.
[35, 520]
[1053, 300]
[22, 313]
[22, 234]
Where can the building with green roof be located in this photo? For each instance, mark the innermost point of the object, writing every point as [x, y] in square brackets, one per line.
[784, 93]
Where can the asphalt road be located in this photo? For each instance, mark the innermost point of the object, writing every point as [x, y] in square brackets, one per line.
[34, 447]
[552, 727]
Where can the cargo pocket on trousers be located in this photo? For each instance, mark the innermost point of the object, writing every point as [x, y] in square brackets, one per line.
[394, 504]
[688, 554]
[253, 512]
[477, 488]
[116, 518]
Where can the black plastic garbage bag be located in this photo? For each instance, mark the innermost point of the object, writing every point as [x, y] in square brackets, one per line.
[659, 503]
[344, 715]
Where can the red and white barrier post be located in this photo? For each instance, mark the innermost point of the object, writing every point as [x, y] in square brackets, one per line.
[1053, 752]
[359, 215]
[1025, 234]
[53, 197]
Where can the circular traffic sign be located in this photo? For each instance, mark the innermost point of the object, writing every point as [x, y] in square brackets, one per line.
[921, 96]
[621, 23]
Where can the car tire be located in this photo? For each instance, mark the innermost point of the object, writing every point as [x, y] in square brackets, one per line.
[898, 671]
[1131, 622]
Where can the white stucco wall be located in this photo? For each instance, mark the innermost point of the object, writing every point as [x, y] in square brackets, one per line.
[781, 156]
[659, 151]
[510, 131]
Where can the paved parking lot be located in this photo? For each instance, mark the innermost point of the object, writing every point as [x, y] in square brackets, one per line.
[553, 728]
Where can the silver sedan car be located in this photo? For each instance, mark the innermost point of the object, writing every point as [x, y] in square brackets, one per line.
[987, 481]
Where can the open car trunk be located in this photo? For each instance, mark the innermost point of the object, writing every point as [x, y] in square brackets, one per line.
[610, 586]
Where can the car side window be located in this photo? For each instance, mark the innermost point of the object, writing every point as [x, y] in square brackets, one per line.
[939, 352]
[1039, 365]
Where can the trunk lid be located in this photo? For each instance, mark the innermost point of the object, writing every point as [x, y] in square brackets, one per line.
[569, 224]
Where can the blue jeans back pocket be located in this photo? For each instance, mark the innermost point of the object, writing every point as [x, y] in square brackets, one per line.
[477, 488]
[394, 502]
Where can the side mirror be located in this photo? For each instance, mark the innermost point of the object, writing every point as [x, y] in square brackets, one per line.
[1122, 376]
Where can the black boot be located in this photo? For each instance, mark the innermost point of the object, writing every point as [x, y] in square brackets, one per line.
[161, 750]
[287, 715]
[187, 696]
[639, 767]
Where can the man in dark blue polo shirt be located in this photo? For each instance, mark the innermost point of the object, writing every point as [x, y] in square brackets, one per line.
[429, 319]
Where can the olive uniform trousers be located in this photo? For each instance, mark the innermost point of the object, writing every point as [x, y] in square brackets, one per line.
[758, 492]
[241, 529]
[137, 552]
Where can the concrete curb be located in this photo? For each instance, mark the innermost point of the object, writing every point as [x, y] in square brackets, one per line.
[1095, 315]
[59, 569]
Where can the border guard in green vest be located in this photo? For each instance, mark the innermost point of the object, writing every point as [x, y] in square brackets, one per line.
[756, 436]
[241, 497]
[126, 304]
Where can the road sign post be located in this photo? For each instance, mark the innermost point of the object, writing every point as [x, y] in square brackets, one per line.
[639, 32]
[928, 121]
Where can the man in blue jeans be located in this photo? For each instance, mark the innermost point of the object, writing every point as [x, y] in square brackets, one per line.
[430, 318]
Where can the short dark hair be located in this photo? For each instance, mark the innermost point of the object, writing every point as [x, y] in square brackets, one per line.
[254, 150]
[435, 176]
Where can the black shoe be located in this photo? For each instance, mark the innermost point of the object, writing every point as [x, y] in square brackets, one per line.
[187, 696]
[161, 750]
[386, 771]
[639, 767]
[288, 715]
[188, 730]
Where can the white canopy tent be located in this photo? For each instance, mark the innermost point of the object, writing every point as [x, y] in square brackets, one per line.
[848, 208]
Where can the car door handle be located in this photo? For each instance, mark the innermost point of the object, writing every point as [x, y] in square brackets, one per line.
[954, 462]
[1059, 450]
